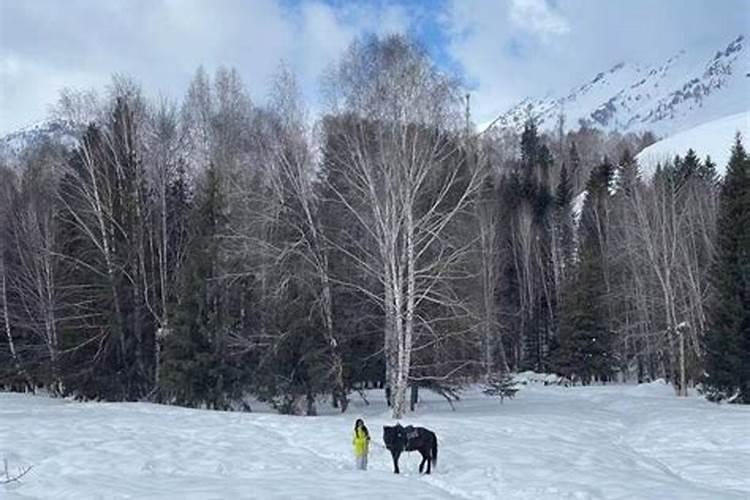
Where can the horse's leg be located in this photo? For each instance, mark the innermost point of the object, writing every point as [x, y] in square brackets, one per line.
[424, 459]
[395, 462]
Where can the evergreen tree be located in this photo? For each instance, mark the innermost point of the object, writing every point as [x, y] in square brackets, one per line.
[194, 367]
[108, 263]
[585, 347]
[530, 145]
[728, 337]
[707, 171]
[686, 168]
[534, 212]
[628, 174]
[501, 386]
[574, 161]
[565, 225]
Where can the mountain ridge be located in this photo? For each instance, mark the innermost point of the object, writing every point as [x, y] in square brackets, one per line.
[682, 92]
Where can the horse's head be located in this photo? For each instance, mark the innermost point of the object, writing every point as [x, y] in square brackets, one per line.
[394, 437]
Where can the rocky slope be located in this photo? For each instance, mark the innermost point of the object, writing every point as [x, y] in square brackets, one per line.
[684, 91]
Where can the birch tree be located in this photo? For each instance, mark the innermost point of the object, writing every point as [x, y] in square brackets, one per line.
[7, 193]
[35, 263]
[104, 215]
[397, 130]
[291, 155]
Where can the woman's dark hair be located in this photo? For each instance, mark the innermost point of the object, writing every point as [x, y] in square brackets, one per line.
[357, 424]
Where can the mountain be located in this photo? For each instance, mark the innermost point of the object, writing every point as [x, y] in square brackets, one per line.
[58, 132]
[686, 90]
[714, 139]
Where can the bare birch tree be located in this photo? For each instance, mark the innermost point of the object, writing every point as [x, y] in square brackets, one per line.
[400, 132]
[673, 221]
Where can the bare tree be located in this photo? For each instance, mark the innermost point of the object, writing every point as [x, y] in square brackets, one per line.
[400, 154]
[35, 271]
[105, 209]
[7, 194]
[672, 223]
[291, 155]
[164, 143]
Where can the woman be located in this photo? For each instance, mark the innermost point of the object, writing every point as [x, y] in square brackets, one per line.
[361, 442]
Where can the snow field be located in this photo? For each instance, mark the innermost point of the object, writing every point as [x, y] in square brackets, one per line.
[714, 139]
[550, 442]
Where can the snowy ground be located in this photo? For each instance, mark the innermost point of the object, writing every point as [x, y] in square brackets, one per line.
[714, 139]
[634, 442]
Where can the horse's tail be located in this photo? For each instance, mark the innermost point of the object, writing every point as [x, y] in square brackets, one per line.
[434, 450]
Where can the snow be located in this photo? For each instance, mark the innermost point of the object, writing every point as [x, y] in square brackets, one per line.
[578, 202]
[714, 139]
[689, 88]
[550, 442]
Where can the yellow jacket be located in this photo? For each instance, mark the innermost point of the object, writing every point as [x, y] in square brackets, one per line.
[360, 441]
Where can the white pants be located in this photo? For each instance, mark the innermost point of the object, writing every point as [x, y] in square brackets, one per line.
[362, 461]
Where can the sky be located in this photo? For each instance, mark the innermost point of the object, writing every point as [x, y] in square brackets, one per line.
[503, 50]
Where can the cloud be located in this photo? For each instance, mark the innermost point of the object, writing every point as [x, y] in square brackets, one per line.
[504, 50]
[538, 17]
[46, 45]
[529, 48]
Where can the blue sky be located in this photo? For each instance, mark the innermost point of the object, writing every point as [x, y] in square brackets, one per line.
[503, 50]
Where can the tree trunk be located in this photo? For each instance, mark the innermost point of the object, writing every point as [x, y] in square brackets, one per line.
[6, 320]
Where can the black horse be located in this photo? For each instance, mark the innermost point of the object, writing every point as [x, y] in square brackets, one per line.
[399, 439]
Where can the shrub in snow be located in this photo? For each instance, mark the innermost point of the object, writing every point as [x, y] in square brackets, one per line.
[501, 385]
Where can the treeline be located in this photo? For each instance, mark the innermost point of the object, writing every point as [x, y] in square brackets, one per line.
[199, 253]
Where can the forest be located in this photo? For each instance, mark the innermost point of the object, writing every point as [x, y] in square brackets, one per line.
[199, 252]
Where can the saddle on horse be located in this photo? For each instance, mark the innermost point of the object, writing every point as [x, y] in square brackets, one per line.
[410, 432]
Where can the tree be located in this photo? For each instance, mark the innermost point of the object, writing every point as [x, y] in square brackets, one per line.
[291, 155]
[166, 234]
[501, 386]
[487, 208]
[194, 367]
[106, 258]
[35, 265]
[564, 227]
[402, 156]
[576, 174]
[12, 371]
[585, 350]
[530, 212]
[728, 338]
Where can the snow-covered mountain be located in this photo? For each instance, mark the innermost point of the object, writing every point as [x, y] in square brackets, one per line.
[58, 132]
[686, 90]
[714, 139]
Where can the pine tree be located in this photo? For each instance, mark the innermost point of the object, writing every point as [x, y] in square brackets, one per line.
[707, 171]
[728, 337]
[628, 174]
[686, 168]
[585, 350]
[501, 386]
[574, 160]
[194, 372]
[565, 230]
[537, 207]
[107, 262]
[530, 145]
